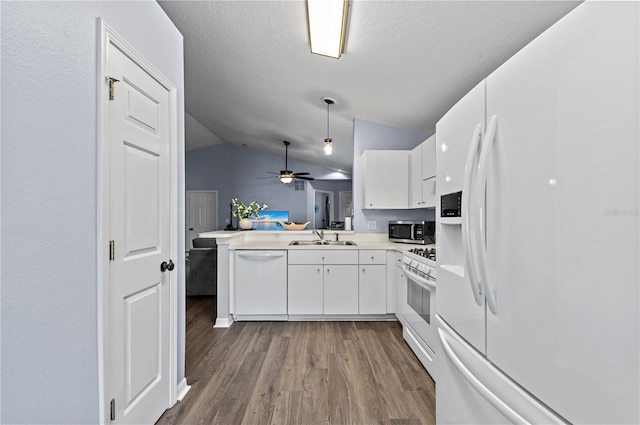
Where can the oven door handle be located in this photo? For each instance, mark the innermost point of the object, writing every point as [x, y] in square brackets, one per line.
[425, 283]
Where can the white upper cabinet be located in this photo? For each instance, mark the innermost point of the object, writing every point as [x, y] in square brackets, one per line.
[385, 179]
[415, 182]
[429, 158]
[422, 173]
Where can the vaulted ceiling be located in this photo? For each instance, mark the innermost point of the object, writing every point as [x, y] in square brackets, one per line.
[251, 80]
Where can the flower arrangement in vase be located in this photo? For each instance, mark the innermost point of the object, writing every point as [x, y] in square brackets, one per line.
[243, 212]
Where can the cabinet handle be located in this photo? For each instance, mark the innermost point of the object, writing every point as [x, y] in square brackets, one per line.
[318, 271]
[328, 271]
[363, 270]
[371, 258]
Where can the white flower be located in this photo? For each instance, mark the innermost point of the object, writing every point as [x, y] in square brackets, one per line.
[246, 211]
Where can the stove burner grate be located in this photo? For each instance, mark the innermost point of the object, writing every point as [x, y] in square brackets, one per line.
[429, 253]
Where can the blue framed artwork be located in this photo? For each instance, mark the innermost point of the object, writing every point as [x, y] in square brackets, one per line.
[268, 220]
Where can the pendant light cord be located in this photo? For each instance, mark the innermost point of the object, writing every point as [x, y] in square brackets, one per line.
[328, 119]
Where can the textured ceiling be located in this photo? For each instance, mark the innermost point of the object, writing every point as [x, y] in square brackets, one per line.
[251, 80]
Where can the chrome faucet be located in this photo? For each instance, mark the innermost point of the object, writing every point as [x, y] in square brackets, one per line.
[320, 234]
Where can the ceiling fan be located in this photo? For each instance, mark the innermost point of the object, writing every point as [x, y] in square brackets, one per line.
[286, 176]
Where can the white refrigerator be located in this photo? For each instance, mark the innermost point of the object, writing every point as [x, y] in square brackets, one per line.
[538, 277]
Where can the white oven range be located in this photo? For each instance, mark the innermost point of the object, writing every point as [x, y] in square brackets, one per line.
[417, 308]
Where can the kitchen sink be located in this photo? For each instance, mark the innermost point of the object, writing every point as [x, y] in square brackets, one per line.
[324, 243]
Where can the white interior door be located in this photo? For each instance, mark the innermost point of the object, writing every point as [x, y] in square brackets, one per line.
[202, 213]
[139, 226]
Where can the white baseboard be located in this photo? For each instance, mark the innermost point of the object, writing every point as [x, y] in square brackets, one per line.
[183, 389]
[222, 322]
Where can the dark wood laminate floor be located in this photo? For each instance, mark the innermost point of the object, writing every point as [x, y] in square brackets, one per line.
[300, 373]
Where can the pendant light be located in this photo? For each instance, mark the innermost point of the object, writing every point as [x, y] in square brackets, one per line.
[328, 147]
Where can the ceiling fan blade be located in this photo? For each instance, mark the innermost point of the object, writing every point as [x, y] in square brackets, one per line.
[303, 178]
[270, 177]
[302, 174]
[272, 172]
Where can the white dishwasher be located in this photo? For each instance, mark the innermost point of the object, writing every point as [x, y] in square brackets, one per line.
[261, 285]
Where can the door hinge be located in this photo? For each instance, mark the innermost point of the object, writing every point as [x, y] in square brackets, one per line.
[112, 251]
[112, 89]
[112, 408]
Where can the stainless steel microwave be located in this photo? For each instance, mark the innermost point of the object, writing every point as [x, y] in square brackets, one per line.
[418, 232]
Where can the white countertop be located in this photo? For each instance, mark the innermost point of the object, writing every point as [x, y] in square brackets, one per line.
[268, 239]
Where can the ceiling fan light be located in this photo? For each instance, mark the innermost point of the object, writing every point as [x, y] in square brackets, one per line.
[286, 178]
[327, 26]
[328, 147]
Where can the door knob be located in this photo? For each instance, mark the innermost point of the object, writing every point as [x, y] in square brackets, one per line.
[167, 266]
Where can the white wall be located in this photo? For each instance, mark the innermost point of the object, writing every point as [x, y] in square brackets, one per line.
[374, 136]
[49, 177]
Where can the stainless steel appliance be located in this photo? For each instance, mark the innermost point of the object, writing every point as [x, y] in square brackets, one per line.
[418, 232]
[418, 313]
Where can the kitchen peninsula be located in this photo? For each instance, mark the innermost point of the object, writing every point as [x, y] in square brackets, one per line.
[332, 282]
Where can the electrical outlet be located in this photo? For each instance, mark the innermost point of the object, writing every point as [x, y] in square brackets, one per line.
[371, 225]
[277, 236]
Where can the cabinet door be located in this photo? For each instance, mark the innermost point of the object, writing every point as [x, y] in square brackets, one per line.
[429, 192]
[339, 256]
[372, 293]
[415, 177]
[306, 256]
[341, 289]
[372, 256]
[385, 182]
[429, 158]
[305, 289]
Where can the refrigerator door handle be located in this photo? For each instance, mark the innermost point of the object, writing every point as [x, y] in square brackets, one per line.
[470, 268]
[495, 401]
[480, 225]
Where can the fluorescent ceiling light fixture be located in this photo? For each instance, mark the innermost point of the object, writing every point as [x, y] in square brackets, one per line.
[327, 26]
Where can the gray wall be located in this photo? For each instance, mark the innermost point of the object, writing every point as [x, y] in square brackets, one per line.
[49, 303]
[239, 172]
[374, 136]
[331, 186]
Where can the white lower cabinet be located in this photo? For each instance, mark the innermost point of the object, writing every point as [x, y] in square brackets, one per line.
[341, 289]
[305, 289]
[323, 282]
[372, 271]
[337, 282]
[373, 289]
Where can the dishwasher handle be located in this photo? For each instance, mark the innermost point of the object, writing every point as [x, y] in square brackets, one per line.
[261, 255]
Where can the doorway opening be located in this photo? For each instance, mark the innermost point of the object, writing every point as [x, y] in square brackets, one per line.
[322, 209]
